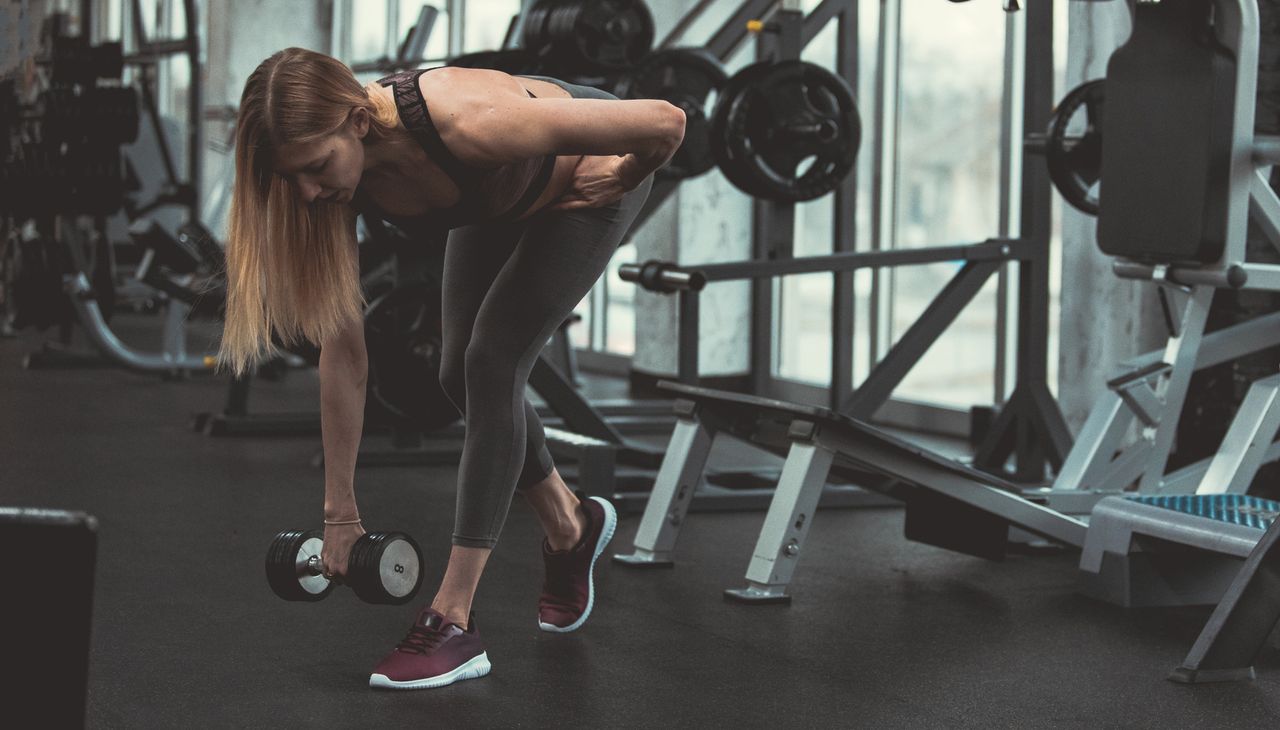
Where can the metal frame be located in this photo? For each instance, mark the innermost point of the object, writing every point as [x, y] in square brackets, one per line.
[1154, 397]
[1032, 400]
[1235, 635]
[1030, 428]
[1249, 443]
[1150, 390]
[817, 441]
[1144, 390]
[1120, 565]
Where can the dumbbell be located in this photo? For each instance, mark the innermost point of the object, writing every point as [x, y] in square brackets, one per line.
[384, 567]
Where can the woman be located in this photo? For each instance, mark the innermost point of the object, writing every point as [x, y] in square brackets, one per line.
[538, 181]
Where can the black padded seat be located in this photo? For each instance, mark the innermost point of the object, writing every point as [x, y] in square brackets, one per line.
[1167, 136]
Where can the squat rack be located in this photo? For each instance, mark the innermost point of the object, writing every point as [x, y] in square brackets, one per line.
[1029, 428]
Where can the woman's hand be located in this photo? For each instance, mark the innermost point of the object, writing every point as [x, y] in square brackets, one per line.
[338, 540]
[596, 183]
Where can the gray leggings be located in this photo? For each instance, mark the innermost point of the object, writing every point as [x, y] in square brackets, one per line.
[507, 287]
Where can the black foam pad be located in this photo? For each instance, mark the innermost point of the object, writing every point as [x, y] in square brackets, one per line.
[1166, 139]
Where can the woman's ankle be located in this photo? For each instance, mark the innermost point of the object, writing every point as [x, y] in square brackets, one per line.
[572, 531]
[460, 617]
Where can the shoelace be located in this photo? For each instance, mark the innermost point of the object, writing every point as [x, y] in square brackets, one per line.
[421, 640]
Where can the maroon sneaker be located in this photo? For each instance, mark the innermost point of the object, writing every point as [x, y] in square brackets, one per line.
[434, 654]
[568, 590]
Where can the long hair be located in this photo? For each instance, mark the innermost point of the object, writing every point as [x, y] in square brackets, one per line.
[292, 268]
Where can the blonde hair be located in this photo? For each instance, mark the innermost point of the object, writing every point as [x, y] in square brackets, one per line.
[292, 268]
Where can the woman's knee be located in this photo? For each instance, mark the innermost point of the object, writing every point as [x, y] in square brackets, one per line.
[490, 361]
[453, 377]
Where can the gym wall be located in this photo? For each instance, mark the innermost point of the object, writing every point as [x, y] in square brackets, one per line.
[1104, 319]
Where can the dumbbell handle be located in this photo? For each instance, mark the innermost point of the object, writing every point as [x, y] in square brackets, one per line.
[313, 566]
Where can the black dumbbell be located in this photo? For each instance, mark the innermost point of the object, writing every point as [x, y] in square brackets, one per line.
[384, 567]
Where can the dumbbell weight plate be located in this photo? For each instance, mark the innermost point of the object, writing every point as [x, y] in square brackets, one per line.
[356, 576]
[385, 567]
[287, 566]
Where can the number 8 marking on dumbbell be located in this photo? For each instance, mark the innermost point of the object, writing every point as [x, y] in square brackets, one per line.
[384, 567]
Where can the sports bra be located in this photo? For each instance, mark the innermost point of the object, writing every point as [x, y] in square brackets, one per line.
[499, 193]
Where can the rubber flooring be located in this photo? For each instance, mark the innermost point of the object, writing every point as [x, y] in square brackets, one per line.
[881, 633]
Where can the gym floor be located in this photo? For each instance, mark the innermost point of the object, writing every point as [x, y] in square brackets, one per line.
[882, 632]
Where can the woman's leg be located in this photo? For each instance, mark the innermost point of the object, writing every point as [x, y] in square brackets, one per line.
[555, 263]
[473, 257]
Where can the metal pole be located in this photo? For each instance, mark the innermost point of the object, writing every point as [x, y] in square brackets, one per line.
[883, 218]
[1010, 157]
[195, 104]
[845, 226]
[1033, 275]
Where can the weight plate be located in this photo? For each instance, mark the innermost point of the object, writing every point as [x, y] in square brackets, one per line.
[1076, 168]
[286, 566]
[792, 133]
[403, 339]
[727, 155]
[613, 34]
[399, 565]
[534, 34]
[581, 37]
[514, 61]
[361, 576]
[689, 78]
[355, 576]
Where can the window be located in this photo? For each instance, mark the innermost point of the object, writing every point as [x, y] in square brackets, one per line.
[368, 38]
[438, 43]
[486, 23]
[950, 100]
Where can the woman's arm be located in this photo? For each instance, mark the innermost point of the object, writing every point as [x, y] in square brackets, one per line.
[489, 119]
[344, 372]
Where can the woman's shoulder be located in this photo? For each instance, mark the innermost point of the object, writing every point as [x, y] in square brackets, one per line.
[465, 89]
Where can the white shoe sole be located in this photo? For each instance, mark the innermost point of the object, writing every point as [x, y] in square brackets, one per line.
[610, 524]
[475, 668]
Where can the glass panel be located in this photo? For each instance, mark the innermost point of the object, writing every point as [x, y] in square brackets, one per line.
[368, 30]
[151, 9]
[438, 43]
[487, 22]
[948, 183]
[111, 24]
[960, 367]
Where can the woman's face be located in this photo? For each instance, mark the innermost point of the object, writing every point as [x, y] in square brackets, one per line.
[327, 170]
